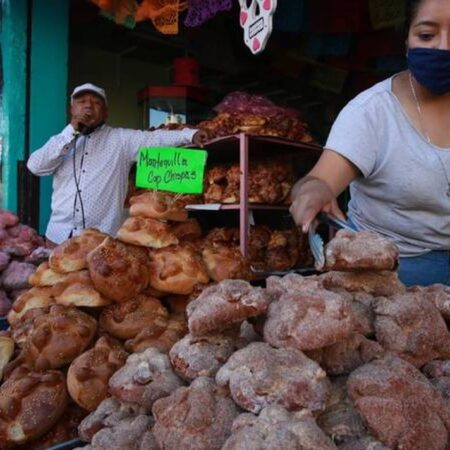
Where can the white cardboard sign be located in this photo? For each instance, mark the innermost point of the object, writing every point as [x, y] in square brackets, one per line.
[256, 21]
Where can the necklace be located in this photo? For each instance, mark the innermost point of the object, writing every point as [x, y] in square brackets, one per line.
[424, 130]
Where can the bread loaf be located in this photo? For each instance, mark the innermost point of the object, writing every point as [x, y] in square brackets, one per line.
[37, 297]
[30, 404]
[224, 305]
[364, 250]
[161, 205]
[162, 340]
[89, 373]
[147, 232]
[225, 262]
[177, 269]
[6, 352]
[118, 271]
[78, 290]
[56, 339]
[70, 256]
[125, 320]
[45, 276]
[145, 378]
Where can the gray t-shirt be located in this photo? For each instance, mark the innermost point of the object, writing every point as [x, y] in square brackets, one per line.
[403, 192]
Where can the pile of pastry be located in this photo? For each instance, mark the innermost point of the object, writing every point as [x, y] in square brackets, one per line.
[21, 249]
[225, 124]
[269, 182]
[97, 299]
[268, 251]
[350, 359]
[110, 332]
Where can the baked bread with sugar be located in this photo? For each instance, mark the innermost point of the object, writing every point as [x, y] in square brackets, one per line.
[355, 251]
[146, 377]
[37, 297]
[89, 373]
[22, 328]
[161, 205]
[225, 262]
[162, 341]
[56, 339]
[125, 320]
[118, 271]
[45, 276]
[70, 256]
[30, 404]
[177, 269]
[187, 231]
[6, 351]
[78, 290]
[147, 232]
[223, 305]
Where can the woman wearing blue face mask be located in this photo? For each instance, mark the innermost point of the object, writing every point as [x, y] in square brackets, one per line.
[391, 144]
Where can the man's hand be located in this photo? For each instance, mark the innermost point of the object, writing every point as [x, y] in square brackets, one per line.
[201, 137]
[79, 121]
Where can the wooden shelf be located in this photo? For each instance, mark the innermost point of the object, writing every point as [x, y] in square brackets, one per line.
[244, 149]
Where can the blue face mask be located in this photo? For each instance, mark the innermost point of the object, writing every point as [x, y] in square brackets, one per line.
[431, 68]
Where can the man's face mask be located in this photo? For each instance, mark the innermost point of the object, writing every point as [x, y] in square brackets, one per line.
[431, 68]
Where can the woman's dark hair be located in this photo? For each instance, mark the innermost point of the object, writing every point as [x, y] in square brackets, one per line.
[412, 6]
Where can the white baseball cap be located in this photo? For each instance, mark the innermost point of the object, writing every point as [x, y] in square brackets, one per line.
[89, 87]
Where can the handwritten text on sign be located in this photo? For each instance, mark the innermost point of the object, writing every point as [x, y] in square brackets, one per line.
[171, 169]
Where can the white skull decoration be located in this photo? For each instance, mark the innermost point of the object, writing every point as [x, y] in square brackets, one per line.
[256, 20]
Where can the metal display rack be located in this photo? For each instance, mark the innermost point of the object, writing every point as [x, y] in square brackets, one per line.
[244, 148]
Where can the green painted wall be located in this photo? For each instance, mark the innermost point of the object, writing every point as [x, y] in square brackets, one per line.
[13, 40]
[49, 67]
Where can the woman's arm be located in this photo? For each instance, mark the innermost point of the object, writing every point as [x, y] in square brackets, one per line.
[318, 190]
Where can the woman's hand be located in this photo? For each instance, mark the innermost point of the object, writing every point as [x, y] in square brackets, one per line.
[309, 197]
[318, 190]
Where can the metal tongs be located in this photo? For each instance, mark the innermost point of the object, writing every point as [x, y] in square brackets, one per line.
[315, 240]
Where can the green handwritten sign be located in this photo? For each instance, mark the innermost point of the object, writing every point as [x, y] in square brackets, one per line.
[171, 169]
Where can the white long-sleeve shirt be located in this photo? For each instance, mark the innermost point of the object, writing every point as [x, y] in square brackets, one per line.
[102, 163]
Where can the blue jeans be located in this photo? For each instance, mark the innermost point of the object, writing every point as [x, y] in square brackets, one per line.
[430, 268]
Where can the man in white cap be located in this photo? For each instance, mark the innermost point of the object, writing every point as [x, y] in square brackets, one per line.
[90, 162]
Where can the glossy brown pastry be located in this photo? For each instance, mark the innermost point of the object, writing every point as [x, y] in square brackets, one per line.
[177, 269]
[78, 290]
[45, 276]
[70, 256]
[125, 320]
[89, 373]
[56, 339]
[37, 297]
[147, 232]
[6, 351]
[30, 404]
[118, 271]
[226, 262]
[161, 205]
[162, 340]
